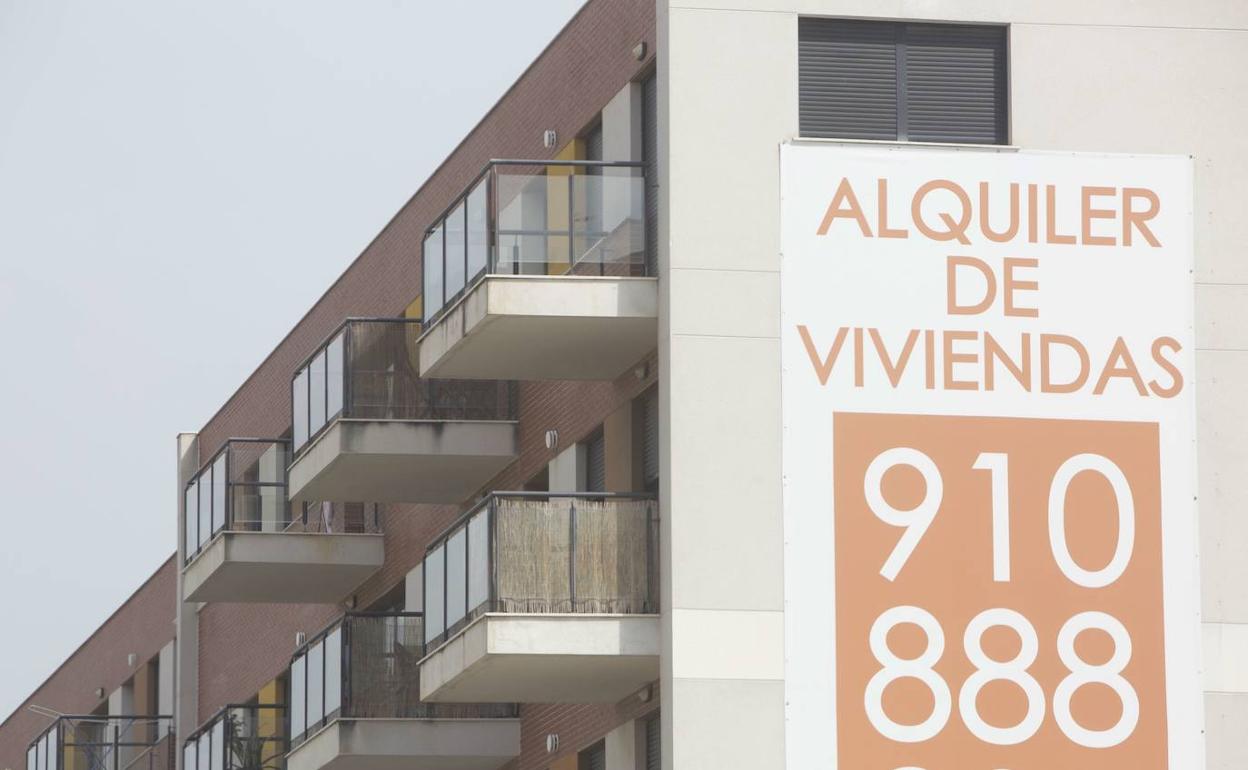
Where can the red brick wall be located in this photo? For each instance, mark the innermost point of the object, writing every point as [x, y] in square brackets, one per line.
[241, 647]
[143, 625]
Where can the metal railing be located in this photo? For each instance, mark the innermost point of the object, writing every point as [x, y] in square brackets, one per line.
[537, 217]
[104, 743]
[239, 737]
[367, 666]
[367, 369]
[543, 552]
[243, 489]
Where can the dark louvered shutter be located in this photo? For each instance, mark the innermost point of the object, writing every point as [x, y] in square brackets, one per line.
[593, 143]
[955, 84]
[593, 758]
[650, 155]
[847, 79]
[596, 472]
[650, 439]
[910, 82]
[654, 743]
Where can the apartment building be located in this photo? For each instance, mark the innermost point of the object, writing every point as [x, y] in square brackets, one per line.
[586, 461]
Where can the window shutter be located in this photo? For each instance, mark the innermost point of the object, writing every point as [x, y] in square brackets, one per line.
[650, 438]
[847, 79]
[908, 82]
[593, 143]
[596, 473]
[955, 84]
[593, 758]
[654, 743]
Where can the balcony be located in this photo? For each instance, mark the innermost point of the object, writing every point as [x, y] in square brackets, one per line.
[538, 598]
[245, 542]
[104, 743]
[539, 272]
[366, 427]
[239, 737]
[355, 705]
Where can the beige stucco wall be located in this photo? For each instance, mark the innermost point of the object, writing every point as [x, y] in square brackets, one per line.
[1126, 76]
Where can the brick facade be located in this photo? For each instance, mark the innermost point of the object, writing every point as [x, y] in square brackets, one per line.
[143, 625]
[242, 647]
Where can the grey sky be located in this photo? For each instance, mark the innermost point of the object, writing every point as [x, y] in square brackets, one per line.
[179, 182]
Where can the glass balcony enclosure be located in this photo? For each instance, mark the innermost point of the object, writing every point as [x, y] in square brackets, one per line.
[367, 370]
[243, 489]
[530, 217]
[104, 743]
[239, 737]
[366, 666]
[538, 552]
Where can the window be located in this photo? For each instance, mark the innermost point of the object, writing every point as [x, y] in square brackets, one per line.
[908, 82]
[593, 758]
[650, 440]
[654, 742]
[596, 463]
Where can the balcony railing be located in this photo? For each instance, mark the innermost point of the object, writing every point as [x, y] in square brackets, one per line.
[366, 666]
[368, 370]
[532, 217]
[104, 743]
[239, 737]
[538, 552]
[243, 489]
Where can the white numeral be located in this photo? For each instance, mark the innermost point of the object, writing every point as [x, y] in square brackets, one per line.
[1057, 520]
[916, 520]
[989, 670]
[919, 668]
[1108, 674]
[998, 463]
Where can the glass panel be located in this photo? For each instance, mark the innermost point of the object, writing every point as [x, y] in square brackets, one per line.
[191, 520]
[50, 754]
[298, 697]
[455, 255]
[333, 671]
[434, 597]
[478, 228]
[188, 756]
[316, 393]
[205, 510]
[274, 513]
[299, 405]
[456, 576]
[204, 759]
[316, 684]
[218, 492]
[478, 560]
[334, 371]
[523, 224]
[432, 256]
[218, 746]
[31, 762]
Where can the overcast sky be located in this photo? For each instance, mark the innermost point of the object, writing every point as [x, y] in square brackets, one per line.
[179, 182]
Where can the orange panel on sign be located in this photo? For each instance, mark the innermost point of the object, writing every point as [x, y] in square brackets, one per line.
[998, 594]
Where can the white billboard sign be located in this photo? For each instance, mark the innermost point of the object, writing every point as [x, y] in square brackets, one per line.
[989, 460]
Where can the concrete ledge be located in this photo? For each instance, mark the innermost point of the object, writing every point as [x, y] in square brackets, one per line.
[402, 461]
[504, 658]
[409, 744]
[532, 327]
[281, 567]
